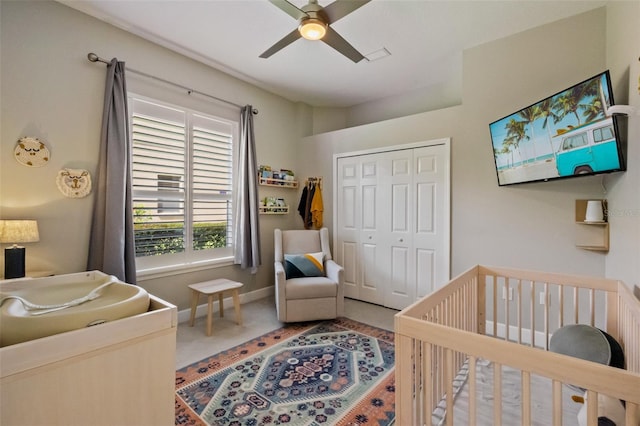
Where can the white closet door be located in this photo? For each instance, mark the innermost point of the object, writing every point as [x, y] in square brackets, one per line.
[431, 237]
[358, 224]
[348, 223]
[372, 274]
[397, 228]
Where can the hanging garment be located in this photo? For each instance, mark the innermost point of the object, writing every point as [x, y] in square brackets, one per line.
[317, 208]
[308, 220]
[302, 205]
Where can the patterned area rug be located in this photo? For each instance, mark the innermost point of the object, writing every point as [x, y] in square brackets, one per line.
[338, 372]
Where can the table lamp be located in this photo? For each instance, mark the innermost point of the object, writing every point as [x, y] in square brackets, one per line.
[16, 232]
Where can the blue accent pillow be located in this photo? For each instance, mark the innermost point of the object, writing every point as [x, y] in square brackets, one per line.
[303, 265]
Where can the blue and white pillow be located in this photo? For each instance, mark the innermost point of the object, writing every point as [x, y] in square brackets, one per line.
[303, 265]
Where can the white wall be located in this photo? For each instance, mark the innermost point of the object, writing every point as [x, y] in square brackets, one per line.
[527, 226]
[51, 91]
[437, 96]
[623, 194]
[328, 119]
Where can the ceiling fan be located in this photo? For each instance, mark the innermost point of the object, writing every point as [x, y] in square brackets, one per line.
[315, 24]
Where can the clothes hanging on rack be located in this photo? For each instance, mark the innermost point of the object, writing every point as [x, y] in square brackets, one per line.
[311, 206]
[317, 208]
[308, 222]
[302, 205]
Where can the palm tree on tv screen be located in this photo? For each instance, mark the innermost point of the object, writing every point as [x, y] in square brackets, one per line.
[580, 98]
[529, 115]
[545, 109]
[515, 134]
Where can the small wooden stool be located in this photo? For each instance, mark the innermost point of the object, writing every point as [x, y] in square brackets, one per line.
[210, 289]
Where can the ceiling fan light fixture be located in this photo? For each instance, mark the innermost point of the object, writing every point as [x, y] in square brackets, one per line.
[312, 29]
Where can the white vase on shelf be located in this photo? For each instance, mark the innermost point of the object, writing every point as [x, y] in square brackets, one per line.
[594, 212]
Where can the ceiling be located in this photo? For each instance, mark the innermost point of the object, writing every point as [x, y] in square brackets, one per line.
[425, 40]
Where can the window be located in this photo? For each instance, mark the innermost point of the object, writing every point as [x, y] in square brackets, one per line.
[182, 185]
[603, 134]
[575, 141]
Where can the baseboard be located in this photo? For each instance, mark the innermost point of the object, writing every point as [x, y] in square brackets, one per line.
[513, 333]
[251, 296]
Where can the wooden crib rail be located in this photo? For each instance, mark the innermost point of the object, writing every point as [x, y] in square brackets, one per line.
[550, 277]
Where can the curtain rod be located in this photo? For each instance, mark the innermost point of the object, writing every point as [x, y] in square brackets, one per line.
[95, 58]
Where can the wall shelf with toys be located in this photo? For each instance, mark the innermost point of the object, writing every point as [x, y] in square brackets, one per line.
[282, 178]
[274, 210]
[273, 205]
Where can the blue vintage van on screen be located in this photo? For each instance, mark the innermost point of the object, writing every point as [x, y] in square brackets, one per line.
[589, 148]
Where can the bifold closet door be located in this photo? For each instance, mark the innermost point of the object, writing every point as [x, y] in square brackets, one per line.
[358, 223]
[391, 233]
[396, 261]
[431, 219]
[413, 248]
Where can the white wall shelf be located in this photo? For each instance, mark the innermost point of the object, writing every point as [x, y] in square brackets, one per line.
[280, 183]
[591, 235]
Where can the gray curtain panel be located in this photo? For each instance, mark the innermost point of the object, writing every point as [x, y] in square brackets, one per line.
[247, 226]
[111, 244]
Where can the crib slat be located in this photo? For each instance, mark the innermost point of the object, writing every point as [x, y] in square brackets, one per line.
[472, 391]
[532, 303]
[613, 307]
[592, 408]
[546, 316]
[438, 365]
[506, 309]
[630, 410]
[526, 398]
[575, 305]
[561, 308]
[519, 313]
[449, 375]
[592, 307]
[497, 394]
[427, 387]
[557, 403]
[495, 306]
[481, 296]
[404, 371]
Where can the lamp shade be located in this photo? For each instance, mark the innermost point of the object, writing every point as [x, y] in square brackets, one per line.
[19, 231]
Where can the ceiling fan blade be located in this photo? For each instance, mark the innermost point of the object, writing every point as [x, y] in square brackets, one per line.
[335, 40]
[341, 8]
[282, 43]
[289, 9]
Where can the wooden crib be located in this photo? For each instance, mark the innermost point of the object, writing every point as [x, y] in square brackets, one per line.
[506, 317]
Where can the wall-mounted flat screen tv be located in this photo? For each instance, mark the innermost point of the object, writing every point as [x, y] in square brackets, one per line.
[565, 135]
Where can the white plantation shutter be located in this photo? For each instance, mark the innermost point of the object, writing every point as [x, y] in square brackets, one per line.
[182, 184]
[212, 176]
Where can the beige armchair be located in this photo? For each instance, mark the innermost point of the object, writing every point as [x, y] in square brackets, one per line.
[307, 298]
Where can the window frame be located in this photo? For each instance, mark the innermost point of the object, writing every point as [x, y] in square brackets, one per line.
[148, 267]
[599, 136]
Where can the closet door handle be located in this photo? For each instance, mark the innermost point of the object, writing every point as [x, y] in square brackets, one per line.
[370, 237]
[401, 240]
